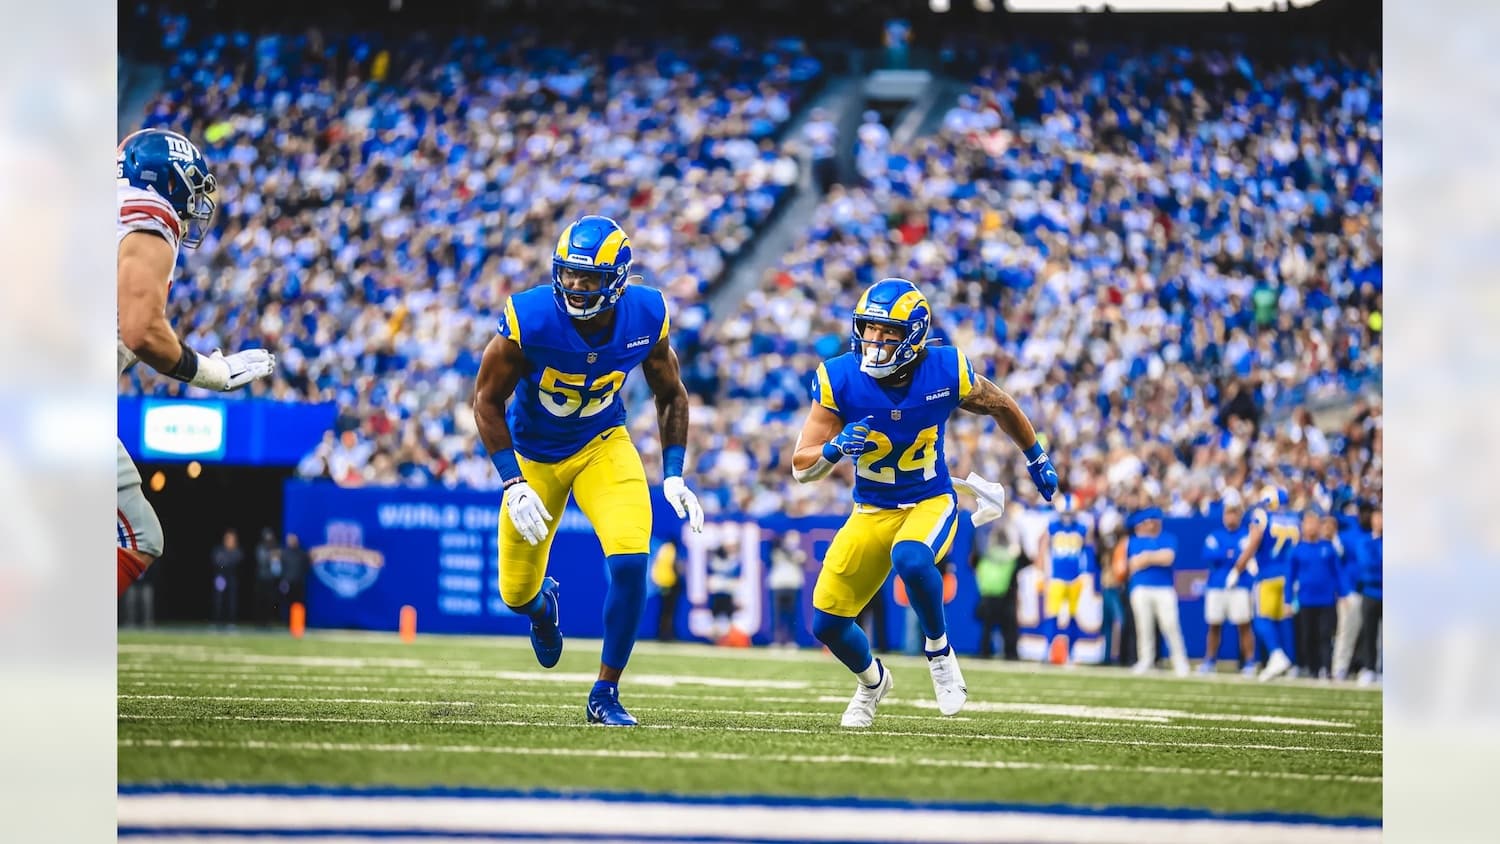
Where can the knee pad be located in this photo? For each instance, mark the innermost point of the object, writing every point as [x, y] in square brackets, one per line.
[911, 558]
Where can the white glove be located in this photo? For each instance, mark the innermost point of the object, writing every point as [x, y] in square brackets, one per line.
[683, 502]
[1232, 579]
[218, 372]
[990, 497]
[527, 512]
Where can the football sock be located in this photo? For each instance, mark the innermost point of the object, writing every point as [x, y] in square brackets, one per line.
[924, 585]
[1269, 634]
[129, 568]
[871, 676]
[624, 602]
[845, 639]
[534, 609]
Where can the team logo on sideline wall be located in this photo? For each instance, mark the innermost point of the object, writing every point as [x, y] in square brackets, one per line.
[343, 563]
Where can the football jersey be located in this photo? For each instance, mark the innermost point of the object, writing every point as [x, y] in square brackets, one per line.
[141, 210]
[1283, 531]
[569, 392]
[1221, 549]
[1067, 549]
[904, 463]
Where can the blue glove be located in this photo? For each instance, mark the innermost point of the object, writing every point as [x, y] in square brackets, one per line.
[1041, 471]
[853, 441]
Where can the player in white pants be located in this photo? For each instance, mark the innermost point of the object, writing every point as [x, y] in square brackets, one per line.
[1221, 549]
[1153, 594]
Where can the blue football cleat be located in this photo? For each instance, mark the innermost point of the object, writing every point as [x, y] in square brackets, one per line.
[605, 708]
[546, 638]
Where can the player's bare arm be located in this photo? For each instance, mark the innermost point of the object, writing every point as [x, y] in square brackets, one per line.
[986, 399]
[821, 426]
[664, 376]
[1252, 545]
[144, 264]
[500, 369]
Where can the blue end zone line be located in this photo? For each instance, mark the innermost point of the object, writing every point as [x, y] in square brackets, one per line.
[358, 833]
[1126, 812]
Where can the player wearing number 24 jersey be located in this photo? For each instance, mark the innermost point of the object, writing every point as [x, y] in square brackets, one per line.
[559, 359]
[886, 404]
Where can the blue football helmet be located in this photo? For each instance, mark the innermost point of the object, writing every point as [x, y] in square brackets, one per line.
[1066, 506]
[895, 302]
[1273, 498]
[171, 166]
[595, 245]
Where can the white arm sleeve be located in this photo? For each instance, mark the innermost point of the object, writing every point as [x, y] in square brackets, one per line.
[816, 471]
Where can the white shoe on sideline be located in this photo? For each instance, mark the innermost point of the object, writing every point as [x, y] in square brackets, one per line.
[1275, 666]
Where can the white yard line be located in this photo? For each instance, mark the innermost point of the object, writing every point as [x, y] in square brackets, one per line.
[592, 819]
[646, 695]
[440, 722]
[690, 756]
[754, 713]
[439, 675]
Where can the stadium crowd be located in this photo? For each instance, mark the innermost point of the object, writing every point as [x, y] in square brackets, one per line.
[1163, 254]
[380, 199]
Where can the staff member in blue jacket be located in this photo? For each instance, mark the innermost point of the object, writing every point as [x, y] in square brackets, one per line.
[1153, 593]
[1350, 544]
[1372, 598]
[1317, 592]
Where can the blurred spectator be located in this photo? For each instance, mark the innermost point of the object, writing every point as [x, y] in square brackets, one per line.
[1153, 593]
[225, 565]
[269, 581]
[995, 557]
[666, 576]
[1317, 594]
[724, 567]
[295, 565]
[821, 135]
[1372, 600]
[788, 575]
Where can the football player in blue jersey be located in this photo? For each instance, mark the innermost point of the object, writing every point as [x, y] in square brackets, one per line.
[560, 357]
[1221, 550]
[1064, 559]
[1275, 532]
[885, 404]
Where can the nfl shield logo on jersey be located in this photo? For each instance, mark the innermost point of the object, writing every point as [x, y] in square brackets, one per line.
[896, 415]
[593, 356]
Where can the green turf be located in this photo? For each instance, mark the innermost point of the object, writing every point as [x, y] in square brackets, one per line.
[367, 709]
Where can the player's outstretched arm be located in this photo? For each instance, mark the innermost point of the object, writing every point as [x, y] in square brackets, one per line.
[986, 399]
[664, 376]
[144, 265]
[500, 370]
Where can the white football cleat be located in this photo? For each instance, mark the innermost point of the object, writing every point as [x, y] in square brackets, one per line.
[1140, 668]
[948, 683]
[1275, 666]
[861, 710]
[1366, 678]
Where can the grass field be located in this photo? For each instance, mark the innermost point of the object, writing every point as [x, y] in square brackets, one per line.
[368, 710]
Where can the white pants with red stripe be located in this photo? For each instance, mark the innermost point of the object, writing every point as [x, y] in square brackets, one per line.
[136, 526]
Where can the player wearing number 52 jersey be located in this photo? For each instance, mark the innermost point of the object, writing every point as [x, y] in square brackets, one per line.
[165, 199]
[560, 357]
[886, 404]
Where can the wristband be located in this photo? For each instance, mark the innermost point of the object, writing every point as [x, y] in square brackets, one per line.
[1034, 452]
[672, 458]
[187, 365]
[832, 453]
[506, 465]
